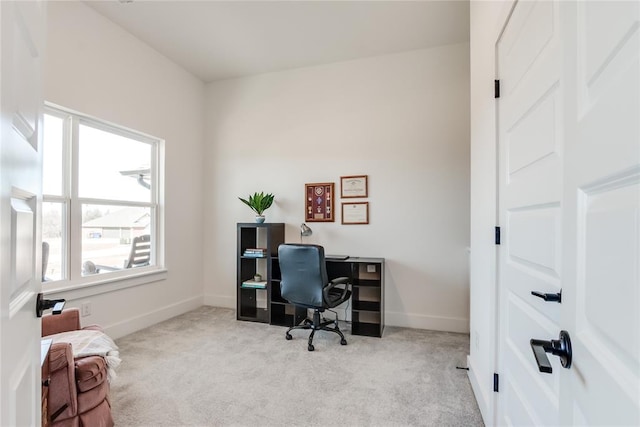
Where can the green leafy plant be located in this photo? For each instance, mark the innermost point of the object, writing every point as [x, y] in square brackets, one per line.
[259, 202]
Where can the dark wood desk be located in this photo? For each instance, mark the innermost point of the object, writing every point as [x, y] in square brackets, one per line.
[367, 298]
[263, 302]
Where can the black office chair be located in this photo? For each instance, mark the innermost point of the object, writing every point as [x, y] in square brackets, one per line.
[304, 282]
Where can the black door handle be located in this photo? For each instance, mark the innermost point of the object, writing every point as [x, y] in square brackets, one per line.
[560, 347]
[45, 304]
[548, 297]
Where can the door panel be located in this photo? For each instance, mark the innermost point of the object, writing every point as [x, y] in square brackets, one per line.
[532, 261]
[534, 238]
[525, 43]
[514, 411]
[22, 244]
[610, 269]
[27, 35]
[608, 39]
[21, 392]
[525, 322]
[533, 137]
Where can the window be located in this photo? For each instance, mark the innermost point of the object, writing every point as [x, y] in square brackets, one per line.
[100, 210]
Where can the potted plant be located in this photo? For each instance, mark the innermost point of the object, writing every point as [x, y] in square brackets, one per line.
[259, 202]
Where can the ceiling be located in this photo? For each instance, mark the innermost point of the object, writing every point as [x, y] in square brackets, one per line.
[217, 40]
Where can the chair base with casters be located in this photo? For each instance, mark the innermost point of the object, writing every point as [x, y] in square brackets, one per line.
[317, 325]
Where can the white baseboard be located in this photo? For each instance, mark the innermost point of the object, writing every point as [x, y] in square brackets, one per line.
[133, 324]
[482, 391]
[421, 321]
[407, 320]
[220, 301]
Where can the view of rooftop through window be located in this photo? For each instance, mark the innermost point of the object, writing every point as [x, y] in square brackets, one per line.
[109, 165]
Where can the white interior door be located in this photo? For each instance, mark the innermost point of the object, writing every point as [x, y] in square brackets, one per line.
[601, 226]
[530, 140]
[569, 207]
[21, 37]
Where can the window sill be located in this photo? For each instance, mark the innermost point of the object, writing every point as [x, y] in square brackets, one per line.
[92, 285]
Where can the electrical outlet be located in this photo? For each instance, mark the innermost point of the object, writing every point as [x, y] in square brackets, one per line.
[477, 341]
[85, 309]
[371, 268]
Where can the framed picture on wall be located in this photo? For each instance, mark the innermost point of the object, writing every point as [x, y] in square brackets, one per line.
[319, 203]
[353, 186]
[355, 213]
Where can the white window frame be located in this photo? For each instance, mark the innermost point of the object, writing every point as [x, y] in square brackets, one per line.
[72, 209]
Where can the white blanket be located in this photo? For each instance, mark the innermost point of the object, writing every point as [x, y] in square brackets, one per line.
[92, 343]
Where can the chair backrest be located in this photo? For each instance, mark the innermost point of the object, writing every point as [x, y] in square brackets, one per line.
[140, 254]
[303, 274]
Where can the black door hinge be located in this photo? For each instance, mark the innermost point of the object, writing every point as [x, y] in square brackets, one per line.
[495, 382]
[496, 88]
[497, 235]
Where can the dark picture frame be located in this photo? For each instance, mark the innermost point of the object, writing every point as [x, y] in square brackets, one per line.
[319, 202]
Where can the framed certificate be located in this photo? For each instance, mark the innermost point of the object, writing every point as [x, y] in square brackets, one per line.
[355, 213]
[319, 202]
[353, 186]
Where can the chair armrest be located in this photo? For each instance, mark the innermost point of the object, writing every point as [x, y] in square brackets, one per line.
[335, 282]
[68, 320]
[91, 371]
[62, 383]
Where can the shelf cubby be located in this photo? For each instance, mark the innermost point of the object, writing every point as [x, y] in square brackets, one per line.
[367, 278]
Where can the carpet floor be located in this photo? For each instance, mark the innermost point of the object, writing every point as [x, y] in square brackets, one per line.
[204, 368]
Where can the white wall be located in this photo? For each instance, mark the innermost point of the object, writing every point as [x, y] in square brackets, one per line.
[487, 19]
[401, 119]
[93, 66]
